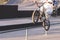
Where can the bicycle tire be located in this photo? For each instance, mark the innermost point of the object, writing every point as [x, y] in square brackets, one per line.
[35, 16]
[46, 24]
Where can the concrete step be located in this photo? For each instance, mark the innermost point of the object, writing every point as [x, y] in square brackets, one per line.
[7, 24]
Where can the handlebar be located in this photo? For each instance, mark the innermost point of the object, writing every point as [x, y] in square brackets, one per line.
[41, 4]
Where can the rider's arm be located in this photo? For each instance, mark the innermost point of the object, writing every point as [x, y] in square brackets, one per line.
[36, 2]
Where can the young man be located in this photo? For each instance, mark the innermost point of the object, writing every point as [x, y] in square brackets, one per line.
[48, 8]
[47, 5]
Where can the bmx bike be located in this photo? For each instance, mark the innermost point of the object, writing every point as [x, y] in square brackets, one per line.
[36, 16]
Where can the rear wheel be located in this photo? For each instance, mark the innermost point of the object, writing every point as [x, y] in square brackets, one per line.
[35, 16]
[46, 24]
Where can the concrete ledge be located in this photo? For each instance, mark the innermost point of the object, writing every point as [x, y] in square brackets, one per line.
[8, 11]
[19, 26]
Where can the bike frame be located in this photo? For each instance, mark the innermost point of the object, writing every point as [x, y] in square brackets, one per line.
[42, 14]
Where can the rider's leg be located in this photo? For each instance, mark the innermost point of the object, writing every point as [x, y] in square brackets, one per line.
[55, 10]
[41, 14]
[41, 11]
[47, 16]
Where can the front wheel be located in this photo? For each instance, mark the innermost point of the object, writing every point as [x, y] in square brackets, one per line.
[46, 24]
[35, 16]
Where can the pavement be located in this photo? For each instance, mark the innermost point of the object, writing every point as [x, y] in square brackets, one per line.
[37, 33]
[33, 34]
[15, 21]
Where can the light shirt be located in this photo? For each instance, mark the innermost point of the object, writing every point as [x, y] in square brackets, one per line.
[47, 6]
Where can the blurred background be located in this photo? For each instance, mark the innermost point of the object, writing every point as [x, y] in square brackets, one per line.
[23, 4]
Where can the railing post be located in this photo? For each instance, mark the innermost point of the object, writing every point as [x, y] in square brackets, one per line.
[26, 36]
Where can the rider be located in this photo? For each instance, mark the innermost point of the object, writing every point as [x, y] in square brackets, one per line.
[47, 6]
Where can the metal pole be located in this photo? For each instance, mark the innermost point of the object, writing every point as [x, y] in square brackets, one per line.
[26, 36]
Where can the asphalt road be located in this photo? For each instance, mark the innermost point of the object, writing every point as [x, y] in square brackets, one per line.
[37, 33]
